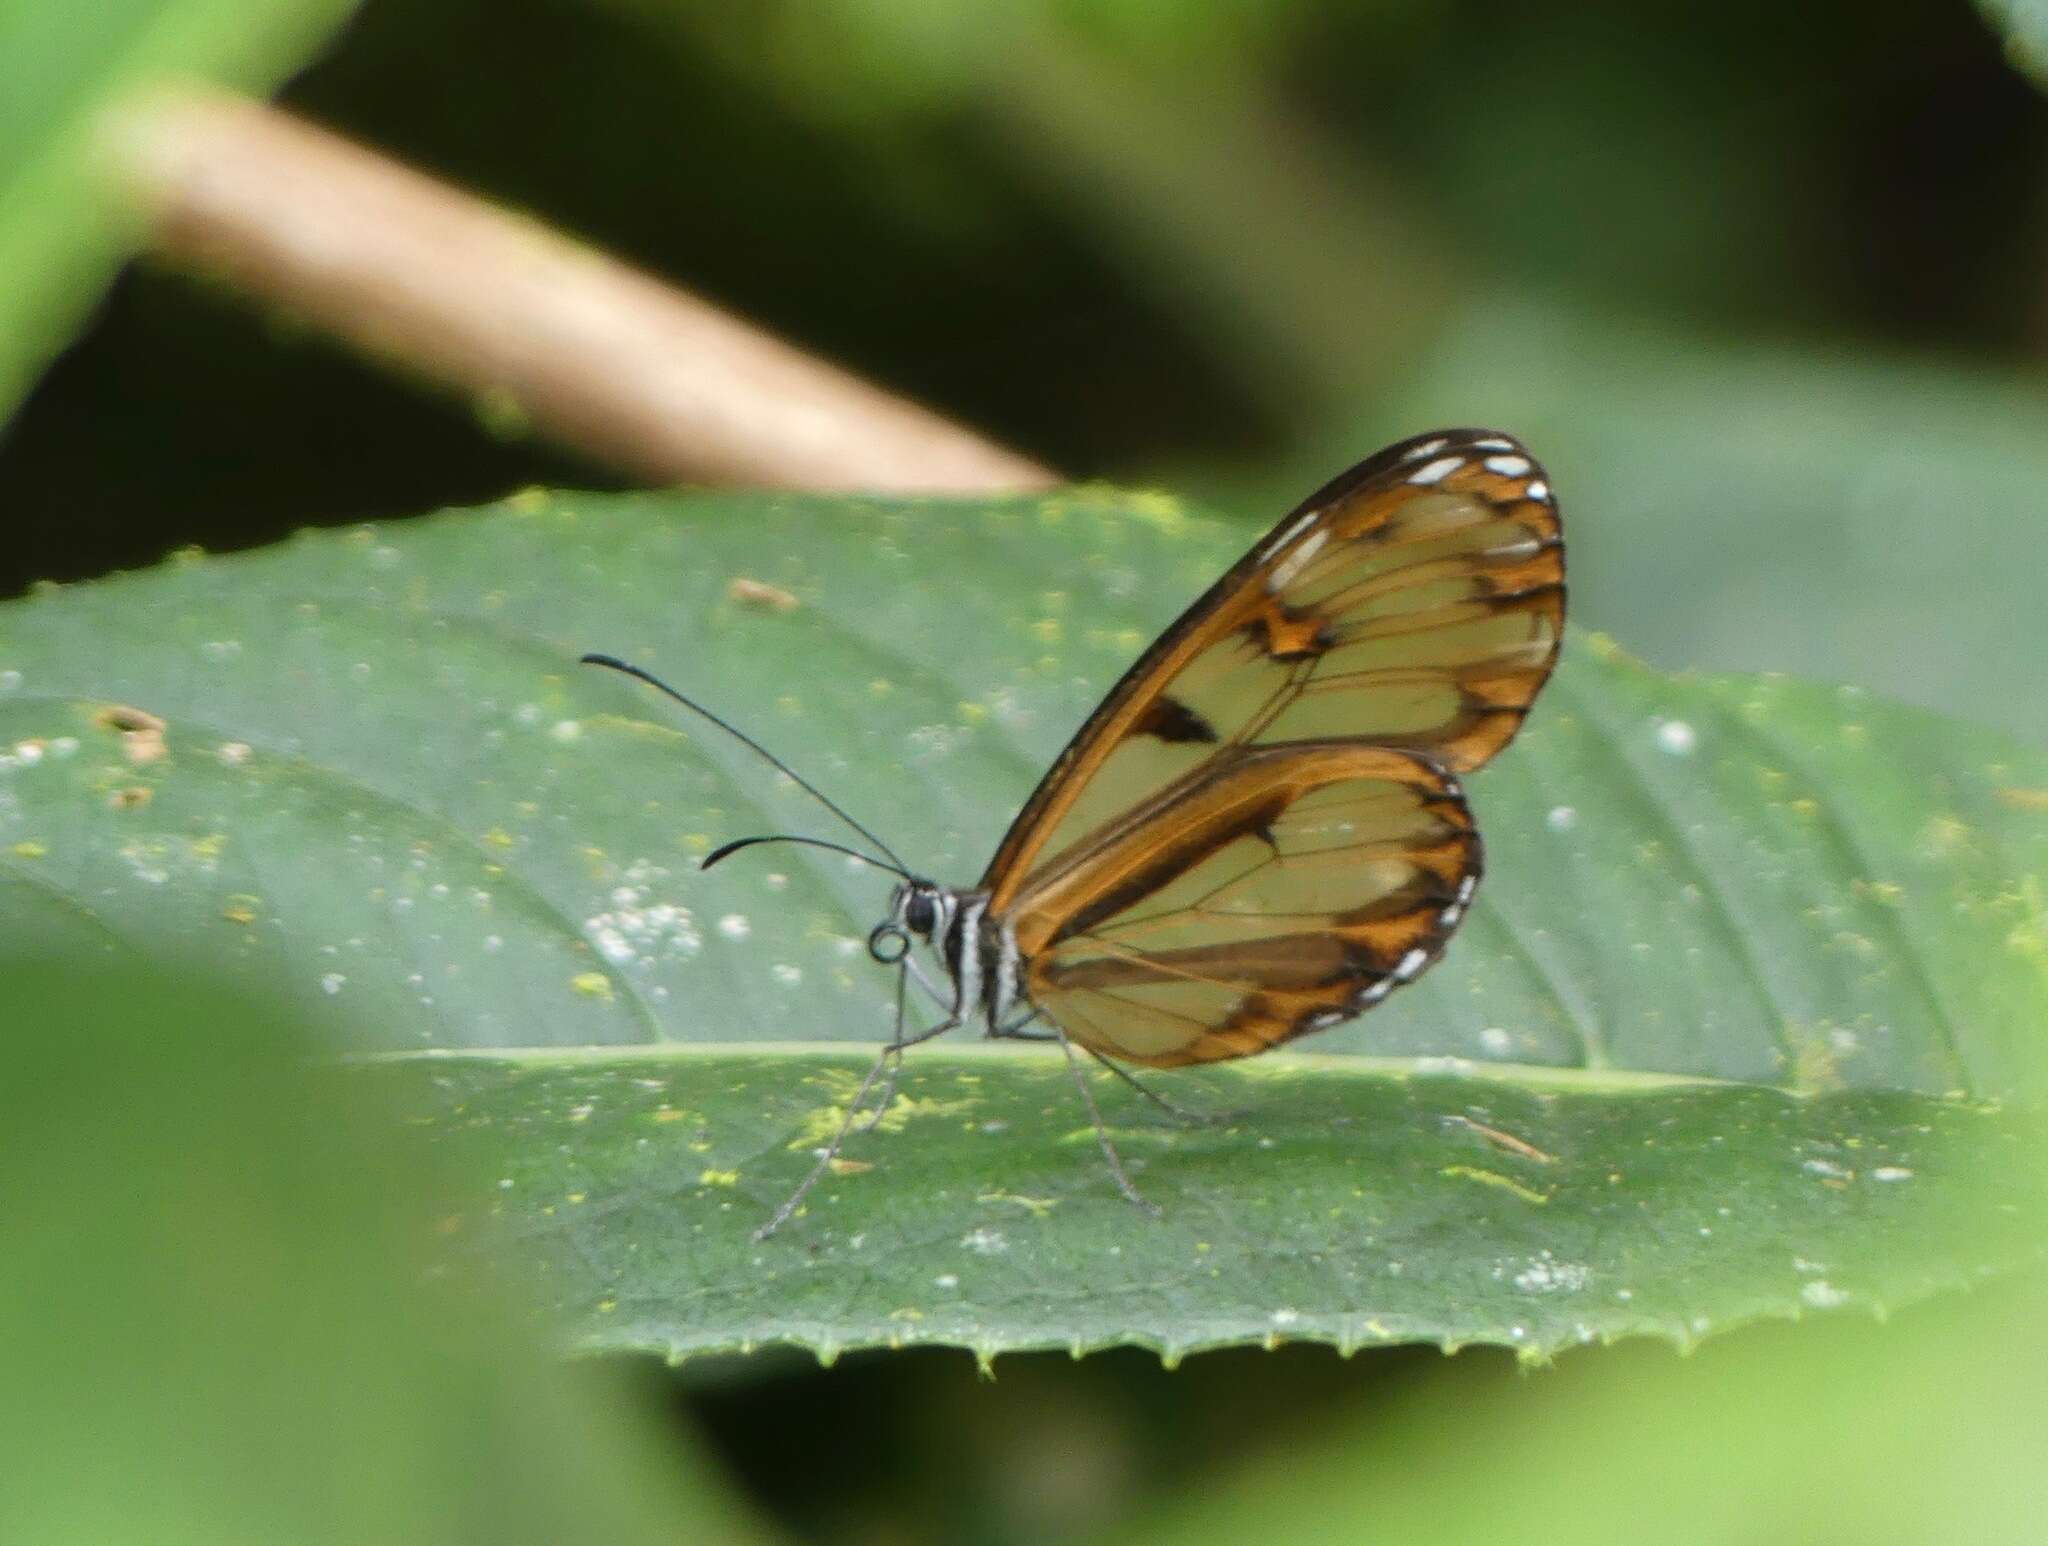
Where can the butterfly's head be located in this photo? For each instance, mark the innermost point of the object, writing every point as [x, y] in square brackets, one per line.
[915, 908]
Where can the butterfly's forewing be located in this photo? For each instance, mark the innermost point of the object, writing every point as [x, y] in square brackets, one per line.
[1417, 601]
[1276, 890]
[1414, 605]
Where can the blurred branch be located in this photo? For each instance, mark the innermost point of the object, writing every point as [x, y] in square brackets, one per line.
[590, 351]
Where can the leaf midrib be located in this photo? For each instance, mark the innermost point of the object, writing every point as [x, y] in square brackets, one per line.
[1537, 1077]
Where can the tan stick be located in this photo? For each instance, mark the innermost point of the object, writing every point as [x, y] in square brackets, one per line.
[593, 353]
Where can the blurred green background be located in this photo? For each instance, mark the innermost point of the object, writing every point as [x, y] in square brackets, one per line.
[1764, 285]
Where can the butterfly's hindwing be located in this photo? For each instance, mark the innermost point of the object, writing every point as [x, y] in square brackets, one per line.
[1277, 891]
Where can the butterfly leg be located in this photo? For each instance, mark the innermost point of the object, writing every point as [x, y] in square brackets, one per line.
[892, 1060]
[892, 1055]
[887, 1098]
[919, 976]
[1116, 1165]
[888, 1095]
[1186, 1116]
[1015, 1031]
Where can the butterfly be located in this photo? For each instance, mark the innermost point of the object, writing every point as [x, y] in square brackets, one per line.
[1259, 833]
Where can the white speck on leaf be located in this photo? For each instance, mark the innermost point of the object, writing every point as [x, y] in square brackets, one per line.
[1677, 737]
[634, 930]
[1547, 1275]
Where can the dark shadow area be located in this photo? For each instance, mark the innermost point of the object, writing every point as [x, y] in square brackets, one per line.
[920, 1445]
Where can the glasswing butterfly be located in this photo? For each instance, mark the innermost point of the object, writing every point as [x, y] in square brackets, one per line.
[1259, 832]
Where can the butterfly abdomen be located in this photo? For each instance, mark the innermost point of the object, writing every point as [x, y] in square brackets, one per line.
[1002, 970]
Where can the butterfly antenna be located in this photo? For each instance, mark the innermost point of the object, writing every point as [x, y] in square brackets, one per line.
[612, 663]
[727, 850]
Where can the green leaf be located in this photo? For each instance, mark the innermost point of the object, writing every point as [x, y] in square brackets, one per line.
[1350, 1201]
[385, 787]
[2024, 26]
[363, 768]
[62, 229]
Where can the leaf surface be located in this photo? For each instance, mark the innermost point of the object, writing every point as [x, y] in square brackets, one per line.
[1352, 1201]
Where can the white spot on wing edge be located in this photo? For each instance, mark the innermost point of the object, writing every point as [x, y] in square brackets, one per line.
[1437, 470]
[1284, 572]
[1538, 491]
[1494, 443]
[1294, 529]
[1410, 965]
[1508, 466]
[1428, 448]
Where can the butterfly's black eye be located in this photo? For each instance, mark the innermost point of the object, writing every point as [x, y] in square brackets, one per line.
[919, 913]
[888, 944]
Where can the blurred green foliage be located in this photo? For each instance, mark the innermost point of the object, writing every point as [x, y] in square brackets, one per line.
[221, 1321]
[62, 230]
[1925, 1431]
